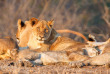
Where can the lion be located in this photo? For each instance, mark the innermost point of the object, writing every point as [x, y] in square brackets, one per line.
[54, 43]
[43, 37]
[7, 47]
[24, 30]
[49, 40]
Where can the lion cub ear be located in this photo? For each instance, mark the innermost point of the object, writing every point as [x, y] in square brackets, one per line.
[20, 24]
[50, 23]
[33, 21]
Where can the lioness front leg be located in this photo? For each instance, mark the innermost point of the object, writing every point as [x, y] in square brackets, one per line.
[63, 58]
[24, 63]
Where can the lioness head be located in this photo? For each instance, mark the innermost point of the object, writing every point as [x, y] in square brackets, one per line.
[42, 30]
[24, 30]
[21, 27]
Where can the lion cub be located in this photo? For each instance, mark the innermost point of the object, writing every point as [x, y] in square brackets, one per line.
[7, 47]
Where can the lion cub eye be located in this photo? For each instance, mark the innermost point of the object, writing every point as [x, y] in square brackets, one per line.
[17, 38]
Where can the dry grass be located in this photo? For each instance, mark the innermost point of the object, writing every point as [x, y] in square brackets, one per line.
[50, 69]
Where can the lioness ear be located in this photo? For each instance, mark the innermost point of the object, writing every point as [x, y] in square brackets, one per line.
[50, 23]
[20, 24]
[91, 38]
[33, 21]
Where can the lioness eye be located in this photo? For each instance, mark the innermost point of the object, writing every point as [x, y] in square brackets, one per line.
[17, 38]
[46, 30]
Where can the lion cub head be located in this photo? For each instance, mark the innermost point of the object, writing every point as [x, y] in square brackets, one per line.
[42, 30]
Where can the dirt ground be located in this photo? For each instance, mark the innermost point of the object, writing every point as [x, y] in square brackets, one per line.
[6, 68]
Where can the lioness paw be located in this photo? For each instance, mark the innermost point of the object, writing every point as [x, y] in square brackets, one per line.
[24, 64]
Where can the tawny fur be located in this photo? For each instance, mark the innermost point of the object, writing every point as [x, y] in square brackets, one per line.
[7, 46]
[24, 32]
[50, 57]
[44, 38]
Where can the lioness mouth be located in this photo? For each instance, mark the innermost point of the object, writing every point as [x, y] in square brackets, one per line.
[42, 39]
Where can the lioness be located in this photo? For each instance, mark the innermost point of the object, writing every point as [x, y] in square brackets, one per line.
[7, 47]
[44, 37]
[31, 57]
[25, 29]
[23, 32]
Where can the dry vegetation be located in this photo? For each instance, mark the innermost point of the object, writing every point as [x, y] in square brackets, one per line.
[83, 16]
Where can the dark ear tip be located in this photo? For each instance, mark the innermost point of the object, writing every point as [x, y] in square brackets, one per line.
[33, 21]
[22, 24]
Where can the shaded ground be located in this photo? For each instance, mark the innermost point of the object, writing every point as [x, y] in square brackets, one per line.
[51, 69]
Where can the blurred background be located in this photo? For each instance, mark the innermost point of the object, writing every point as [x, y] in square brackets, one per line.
[84, 16]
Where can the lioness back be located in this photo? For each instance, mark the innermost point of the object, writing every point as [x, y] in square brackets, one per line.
[65, 43]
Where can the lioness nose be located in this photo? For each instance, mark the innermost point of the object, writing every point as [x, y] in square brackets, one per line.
[42, 36]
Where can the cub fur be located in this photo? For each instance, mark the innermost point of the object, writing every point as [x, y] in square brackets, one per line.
[7, 46]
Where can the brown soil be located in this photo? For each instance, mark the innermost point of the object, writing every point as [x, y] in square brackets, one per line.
[5, 68]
